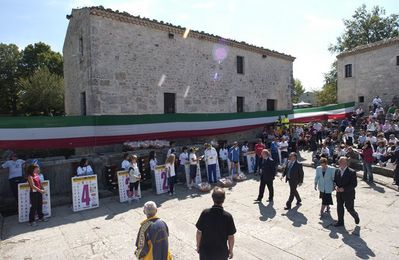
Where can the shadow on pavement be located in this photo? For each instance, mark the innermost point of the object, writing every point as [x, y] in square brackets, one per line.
[297, 218]
[375, 187]
[266, 212]
[351, 239]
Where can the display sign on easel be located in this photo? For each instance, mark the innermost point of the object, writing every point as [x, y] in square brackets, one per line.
[250, 156]
[24, 201]
[124, 190]
[161, 179]
[84, 192]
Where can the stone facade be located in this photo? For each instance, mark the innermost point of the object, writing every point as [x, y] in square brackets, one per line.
[375, 71]
[124, 64]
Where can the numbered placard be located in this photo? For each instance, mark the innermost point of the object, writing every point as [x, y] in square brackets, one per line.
[251, 161]
[84, 192]
[24, 201]
[123, 184]
[161, 179]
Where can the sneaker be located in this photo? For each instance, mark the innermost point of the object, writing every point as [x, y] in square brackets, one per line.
[190, 188]
[33, 224]
[43, 220]
[170, 194]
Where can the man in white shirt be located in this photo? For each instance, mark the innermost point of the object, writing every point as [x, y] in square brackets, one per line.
[318, 127]
[211, 157]
[15, 173]
[377, 102]
[349, 131]
[125, 163]
[223, 155]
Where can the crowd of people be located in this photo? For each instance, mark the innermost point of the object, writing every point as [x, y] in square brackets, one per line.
[365, 138]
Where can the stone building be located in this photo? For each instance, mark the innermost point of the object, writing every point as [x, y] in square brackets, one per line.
[115, 63]
[368, 71]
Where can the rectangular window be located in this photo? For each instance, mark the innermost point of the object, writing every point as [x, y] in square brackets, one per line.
[83, 110]
[271, 105]
[169, 100]
[81, 46]
[361, 99]
[397, 60]
[348, 70]
[240, 104]
[240, 64]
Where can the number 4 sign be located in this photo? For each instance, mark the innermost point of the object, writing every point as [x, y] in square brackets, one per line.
[84, 192]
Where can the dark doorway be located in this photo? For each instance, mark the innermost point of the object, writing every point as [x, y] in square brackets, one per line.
[169, 100]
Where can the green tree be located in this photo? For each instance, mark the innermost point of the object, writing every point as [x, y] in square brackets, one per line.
[43, 92]
[9, 89]
[298, 91]
[327, 95]
[39, 55]
[366, 27]
[363, 28]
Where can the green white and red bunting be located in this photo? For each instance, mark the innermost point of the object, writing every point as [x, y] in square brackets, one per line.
[79, 131]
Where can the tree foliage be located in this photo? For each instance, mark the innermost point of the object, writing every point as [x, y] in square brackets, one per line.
[43, 92]
[17, 68]
[362, 28]
[39, 55]
[9, 89]
[366, 27]
[298, 91]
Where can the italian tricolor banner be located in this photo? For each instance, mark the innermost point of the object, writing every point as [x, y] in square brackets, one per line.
[85, 131]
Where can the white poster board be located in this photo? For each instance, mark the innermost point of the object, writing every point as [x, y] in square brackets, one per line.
[251, 159]
[161, 179]
[123, 184]
[84, 192]
[24, 201]
[198, 178]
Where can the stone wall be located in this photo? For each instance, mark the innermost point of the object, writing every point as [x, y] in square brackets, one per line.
[127, 63]
[374, 73]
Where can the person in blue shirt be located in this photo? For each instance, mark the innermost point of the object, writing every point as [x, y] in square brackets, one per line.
[234, 157]
[274, 150]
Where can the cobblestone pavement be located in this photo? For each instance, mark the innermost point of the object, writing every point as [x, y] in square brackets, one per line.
[264, 231]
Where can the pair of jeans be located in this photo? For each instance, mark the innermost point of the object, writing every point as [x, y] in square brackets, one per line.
[171, 183]
[258, 161]
[36, 206]
[14, 185]
[212, 173]
[367, 171]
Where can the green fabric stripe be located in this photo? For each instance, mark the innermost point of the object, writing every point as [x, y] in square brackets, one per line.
[68, 121]
[324, 108]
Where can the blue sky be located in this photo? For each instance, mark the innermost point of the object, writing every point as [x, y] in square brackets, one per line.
[303, 29]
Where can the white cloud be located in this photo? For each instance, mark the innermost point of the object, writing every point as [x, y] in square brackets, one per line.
[204, 5]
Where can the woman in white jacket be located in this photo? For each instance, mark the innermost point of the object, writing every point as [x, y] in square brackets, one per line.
[324, 180]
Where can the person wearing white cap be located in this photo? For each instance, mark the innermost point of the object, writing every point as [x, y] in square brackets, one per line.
[152, 239]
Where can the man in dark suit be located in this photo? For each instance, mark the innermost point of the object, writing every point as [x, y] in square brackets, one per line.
[269, 170]
[345, 181]
[293, 174]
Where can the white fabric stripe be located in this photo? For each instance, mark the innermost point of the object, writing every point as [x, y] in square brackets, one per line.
[117, 130]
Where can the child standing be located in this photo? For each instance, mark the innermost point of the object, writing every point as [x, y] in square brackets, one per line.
[170, 172]
[36, 195]
[134, 178]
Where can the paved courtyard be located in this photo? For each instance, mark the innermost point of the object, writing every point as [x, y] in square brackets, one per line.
[264, 231]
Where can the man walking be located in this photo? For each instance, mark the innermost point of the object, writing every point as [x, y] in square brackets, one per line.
[216, 229]
[152, 239]
[345, 181]
[293, 174]
[267, 177]
[259, 146]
